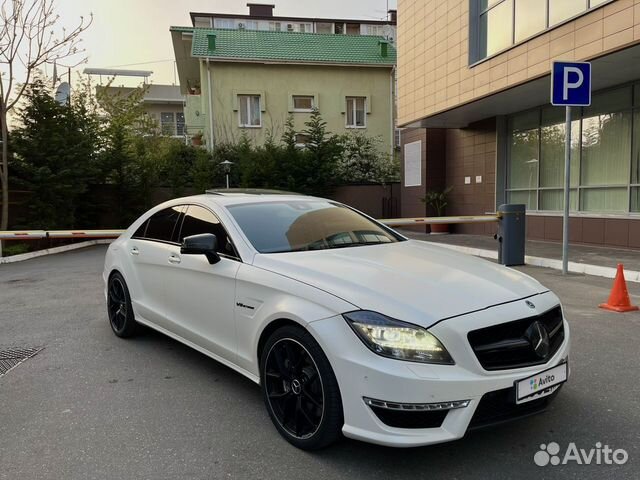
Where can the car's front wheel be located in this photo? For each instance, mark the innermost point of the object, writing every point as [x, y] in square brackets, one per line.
[121, 318]
[300, 389]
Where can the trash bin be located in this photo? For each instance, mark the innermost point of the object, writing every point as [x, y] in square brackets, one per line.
[511, 234]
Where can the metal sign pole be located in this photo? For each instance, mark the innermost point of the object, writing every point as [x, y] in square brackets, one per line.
[567, 196]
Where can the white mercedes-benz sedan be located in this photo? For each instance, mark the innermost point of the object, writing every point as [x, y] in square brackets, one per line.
[348, 326]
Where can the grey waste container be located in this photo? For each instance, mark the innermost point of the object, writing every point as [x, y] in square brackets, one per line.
[511, 234]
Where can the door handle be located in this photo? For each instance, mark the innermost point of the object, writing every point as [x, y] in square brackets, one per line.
[174, 258]
[134, 251]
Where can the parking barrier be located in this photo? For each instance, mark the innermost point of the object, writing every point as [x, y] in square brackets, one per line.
[39, 234]
[406, 222]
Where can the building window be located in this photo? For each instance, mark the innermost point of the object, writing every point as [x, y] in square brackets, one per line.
[275, 26]
[324, 27]
[167, 123]
[250, 115]
[303, 103]
[353, 29]
[356, 117]
[302, 139]
[180, 126]
[224, 23]
[498, 24]
[202, 22]
[605, 156]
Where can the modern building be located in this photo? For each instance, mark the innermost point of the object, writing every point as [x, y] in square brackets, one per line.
[261, 17]
[244, 82]
[474, 83]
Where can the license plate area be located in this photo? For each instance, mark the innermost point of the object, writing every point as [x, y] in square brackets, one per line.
[541, 384]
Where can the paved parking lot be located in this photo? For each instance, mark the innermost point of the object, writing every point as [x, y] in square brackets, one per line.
[91, 405]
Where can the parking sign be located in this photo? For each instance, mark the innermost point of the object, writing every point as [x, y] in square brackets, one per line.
[571, 84]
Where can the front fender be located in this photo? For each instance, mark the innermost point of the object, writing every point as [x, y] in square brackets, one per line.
[263, 297]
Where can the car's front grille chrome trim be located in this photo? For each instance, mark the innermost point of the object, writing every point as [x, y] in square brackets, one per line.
[416, 406]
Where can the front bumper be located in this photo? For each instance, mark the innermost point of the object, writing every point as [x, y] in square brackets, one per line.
[361, 375]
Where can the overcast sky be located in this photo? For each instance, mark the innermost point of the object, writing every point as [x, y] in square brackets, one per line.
[134, 34]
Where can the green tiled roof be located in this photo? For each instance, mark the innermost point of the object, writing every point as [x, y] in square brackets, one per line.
[289, 46]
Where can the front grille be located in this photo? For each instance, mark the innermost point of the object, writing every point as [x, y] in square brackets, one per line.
[499, 406]
[506, 346]
[410, 419]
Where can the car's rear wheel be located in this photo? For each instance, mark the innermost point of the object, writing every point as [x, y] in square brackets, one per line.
[300, 389]
[121, 318]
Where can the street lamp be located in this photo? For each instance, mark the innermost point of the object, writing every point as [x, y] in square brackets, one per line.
[227, 168]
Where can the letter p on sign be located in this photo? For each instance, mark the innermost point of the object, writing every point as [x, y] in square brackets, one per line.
[571, 84]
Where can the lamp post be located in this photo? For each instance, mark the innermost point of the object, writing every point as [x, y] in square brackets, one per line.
[227, 168]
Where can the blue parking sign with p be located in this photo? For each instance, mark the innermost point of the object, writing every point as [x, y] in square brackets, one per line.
[571, 84]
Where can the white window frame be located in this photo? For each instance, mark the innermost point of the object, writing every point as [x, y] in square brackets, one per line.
[248, 110]
[353, 101]
[293, 103]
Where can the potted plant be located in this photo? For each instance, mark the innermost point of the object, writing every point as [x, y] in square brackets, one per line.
[438, 201]
[196, 140]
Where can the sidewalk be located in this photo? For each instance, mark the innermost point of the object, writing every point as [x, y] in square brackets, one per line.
[590, 260]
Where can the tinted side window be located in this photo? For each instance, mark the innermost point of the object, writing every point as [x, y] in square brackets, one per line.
[162, 225]
[199, 220]
[140, 232]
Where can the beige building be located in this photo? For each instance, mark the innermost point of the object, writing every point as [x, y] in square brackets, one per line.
[473, 85]
[242, 83]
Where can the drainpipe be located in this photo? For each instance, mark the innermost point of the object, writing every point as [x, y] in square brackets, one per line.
[210, 102]
[391, 105]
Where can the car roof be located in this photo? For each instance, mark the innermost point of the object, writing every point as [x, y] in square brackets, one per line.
[240, 196]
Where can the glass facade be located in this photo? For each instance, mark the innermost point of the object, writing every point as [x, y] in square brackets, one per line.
[605, 155]
[500, 24]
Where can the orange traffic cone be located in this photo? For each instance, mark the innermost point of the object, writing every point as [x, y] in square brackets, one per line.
[619, 297]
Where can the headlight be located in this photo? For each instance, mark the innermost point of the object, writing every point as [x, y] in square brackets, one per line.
[395, 339]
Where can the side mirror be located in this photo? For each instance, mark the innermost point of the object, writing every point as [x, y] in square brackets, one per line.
[204, 244]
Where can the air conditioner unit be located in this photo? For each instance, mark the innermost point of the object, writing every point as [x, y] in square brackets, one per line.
[241, 26]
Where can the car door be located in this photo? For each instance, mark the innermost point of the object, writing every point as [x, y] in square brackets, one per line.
[149, 249]
[201, 296]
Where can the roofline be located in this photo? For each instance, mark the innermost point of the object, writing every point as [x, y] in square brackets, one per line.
[281, 18]
[291, 62]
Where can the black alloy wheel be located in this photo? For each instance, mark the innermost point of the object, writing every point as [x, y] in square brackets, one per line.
[300, 389]
[119, 307]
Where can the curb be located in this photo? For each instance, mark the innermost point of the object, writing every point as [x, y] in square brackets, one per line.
[51, 251]
[574, 267]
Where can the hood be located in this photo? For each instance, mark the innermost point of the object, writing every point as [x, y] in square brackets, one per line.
[414, 281]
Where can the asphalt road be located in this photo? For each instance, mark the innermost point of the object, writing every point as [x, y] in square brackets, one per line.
[91, 405]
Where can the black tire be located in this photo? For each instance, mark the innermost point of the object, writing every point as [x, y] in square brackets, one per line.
[121, 318]
[300, 390]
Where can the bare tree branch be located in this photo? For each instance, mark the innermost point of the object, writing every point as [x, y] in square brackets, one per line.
[29, 39]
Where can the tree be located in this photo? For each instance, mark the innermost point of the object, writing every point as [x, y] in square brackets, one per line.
[28, 40]
[363, 160]
[322, 153]
[130, 157]
[56, 157]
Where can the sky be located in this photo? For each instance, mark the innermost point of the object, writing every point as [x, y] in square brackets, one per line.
[134, 34]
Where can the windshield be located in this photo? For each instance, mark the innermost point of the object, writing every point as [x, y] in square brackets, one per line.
[290, 226]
